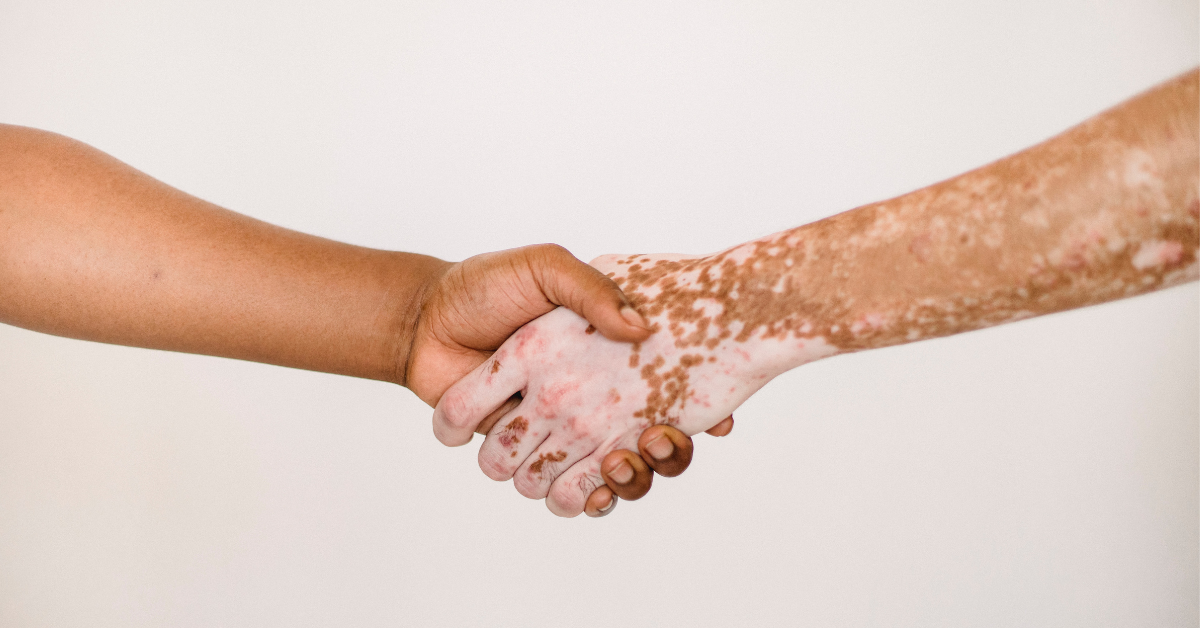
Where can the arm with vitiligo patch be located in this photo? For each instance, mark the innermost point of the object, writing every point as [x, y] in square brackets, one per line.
[1106, 210]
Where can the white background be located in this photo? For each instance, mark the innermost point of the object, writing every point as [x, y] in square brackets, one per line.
[1039, 474]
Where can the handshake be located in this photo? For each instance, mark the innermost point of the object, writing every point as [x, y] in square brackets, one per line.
[650, 349]
[569, 368]
[564, 393]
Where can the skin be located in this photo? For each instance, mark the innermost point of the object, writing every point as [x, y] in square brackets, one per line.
[1106, 210]
[91, 248]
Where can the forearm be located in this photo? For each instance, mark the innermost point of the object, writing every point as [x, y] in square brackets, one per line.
[93, 249]
[1106, 210]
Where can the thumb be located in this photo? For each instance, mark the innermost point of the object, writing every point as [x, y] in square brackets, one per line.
[566, 281]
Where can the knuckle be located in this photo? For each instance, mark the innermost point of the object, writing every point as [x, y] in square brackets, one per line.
[571, 494]
[551, 250]
[585, 484]
[494, 463]
[530, 484]
[565, 503]
[456, 409]
[550, 257]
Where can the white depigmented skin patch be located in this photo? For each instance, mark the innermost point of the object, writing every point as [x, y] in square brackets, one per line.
[1140, 170]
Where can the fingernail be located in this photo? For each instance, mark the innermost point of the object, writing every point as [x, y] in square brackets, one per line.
[660, 447]
[622, 474]
[633, 318]
[612, 501]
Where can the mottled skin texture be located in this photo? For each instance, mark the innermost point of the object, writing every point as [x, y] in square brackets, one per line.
[1106, 210]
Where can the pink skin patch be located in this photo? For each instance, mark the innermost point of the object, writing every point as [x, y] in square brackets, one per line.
[868, 322]
[921, 247]
[1157, 254]
[511, 433]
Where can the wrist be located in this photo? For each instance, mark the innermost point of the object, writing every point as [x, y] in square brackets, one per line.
[816, 291]
[752, 304]
[722, 328]
[412, 280]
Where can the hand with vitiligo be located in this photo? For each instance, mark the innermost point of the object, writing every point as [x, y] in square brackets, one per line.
[1106, 210]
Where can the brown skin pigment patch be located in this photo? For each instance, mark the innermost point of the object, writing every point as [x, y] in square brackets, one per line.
[1052, 228]
[668, 389]
[512, 433]
[557, 456]
[591, 329]
[495, 366]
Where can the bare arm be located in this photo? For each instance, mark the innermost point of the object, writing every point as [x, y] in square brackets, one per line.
[1106, 210]
[91, 248]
